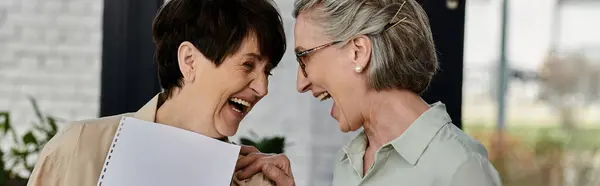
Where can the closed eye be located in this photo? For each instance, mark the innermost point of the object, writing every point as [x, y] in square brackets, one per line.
[249, 66]
[269, 69]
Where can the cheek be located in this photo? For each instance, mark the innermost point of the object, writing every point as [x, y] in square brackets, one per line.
[345, 94]
[232, 79]
[326, 75]
[341, 83]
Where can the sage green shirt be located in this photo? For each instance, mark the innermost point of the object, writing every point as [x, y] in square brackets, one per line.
[431, 152]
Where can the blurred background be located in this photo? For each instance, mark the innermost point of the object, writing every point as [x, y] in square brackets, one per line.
[521, 76]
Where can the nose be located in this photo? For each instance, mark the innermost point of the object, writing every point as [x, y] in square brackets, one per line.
[260, 86]
[302, 83]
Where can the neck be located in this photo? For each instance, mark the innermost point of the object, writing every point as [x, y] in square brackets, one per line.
[176, 111]
[389, 114]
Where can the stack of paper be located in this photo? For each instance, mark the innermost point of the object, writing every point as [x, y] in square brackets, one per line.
[149, 154]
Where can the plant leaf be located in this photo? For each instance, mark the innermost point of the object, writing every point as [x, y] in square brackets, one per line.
[17, 152]
[36, 108]
[52, 123]
[246, 141]
[5, 125]
[39, 128]
[3, 173]
[29, 138]
[3, 177]
[272, 145]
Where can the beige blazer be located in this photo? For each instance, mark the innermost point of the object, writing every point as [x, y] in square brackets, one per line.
[75, 156]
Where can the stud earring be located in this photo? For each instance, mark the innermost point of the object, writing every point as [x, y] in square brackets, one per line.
[358, 69]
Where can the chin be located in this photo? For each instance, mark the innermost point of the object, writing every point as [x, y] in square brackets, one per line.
[229, 121]
[227, 129]
[344, 127]
[349, 126]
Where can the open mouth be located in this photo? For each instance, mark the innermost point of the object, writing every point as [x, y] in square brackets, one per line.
[323, 96]
[240, 105]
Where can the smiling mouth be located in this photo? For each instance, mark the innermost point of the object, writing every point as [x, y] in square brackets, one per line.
[323, 96]
[240, 105]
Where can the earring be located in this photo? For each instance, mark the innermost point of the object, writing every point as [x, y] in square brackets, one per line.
[358, 69]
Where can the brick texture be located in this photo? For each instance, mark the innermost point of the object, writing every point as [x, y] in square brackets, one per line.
[50, 50]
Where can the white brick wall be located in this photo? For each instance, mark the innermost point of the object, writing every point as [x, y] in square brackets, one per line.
[50, 49]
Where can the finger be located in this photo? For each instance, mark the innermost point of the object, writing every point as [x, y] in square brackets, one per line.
[279, 161]
[247, 160]
[282, 162]
[277, 175]
[244, 150]
[252, 169]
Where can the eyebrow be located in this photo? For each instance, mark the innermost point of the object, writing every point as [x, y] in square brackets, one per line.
[255, 56]
[260, 59]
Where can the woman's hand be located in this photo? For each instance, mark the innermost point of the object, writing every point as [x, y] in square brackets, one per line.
[275, 166]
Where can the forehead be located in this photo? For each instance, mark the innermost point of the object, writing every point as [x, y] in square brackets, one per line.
[250, 44]
[307, 33]
[249, 48]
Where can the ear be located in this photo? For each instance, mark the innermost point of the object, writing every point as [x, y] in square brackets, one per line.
[361, 52]
[185, 59]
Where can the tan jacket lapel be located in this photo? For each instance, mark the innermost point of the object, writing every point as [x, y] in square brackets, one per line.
[148, 111]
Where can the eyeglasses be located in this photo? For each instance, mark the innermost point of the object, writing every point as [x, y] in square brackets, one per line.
[300, 56]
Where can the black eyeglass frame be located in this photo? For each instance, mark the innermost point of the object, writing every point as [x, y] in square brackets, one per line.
[304, 53]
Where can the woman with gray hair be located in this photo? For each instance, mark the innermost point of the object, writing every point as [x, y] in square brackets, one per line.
[374, 58]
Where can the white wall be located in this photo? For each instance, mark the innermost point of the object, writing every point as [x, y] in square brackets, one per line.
[50, 49]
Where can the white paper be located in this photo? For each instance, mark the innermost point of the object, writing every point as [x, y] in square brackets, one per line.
[153, 154]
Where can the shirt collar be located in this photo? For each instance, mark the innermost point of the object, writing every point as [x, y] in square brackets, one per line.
[356, 145]
[354, 151]
[148, 111]
[413, 142]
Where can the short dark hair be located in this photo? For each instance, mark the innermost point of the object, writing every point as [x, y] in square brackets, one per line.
[216, 28]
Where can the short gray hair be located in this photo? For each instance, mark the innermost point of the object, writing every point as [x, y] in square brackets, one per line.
[403, 57]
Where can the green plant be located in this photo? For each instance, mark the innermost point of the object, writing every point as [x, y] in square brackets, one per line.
[4, 121]
[275, 144]
[541, 155]
[25, 146]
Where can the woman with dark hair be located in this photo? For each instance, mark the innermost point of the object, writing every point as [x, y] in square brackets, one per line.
[214, 58]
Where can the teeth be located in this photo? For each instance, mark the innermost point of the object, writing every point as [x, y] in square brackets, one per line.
[241, 102]
[237, 110]
[323, 96]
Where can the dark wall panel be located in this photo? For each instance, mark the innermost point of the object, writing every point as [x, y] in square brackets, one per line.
[129, 76]
[448, 27]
